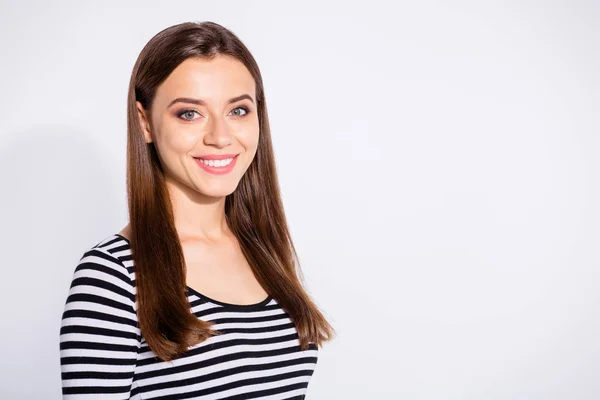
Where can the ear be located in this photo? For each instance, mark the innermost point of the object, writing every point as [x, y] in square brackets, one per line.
[144, 122]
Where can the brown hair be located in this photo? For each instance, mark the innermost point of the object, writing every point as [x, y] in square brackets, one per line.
[254, 211]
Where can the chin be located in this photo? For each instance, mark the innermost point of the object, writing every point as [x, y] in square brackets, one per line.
[217, 190]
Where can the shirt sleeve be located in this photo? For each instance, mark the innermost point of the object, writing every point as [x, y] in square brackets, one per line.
[99, 334]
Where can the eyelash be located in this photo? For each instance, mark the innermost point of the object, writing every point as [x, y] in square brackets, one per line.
[182, 112]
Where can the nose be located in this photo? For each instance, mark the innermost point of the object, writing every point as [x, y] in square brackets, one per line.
[217, 133]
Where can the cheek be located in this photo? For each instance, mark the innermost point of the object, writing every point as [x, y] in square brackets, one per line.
[180, 140]
[249, 139]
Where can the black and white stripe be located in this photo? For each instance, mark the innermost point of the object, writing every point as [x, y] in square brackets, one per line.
[103, 354]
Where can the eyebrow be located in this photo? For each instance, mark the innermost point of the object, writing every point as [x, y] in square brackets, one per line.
[200, 102]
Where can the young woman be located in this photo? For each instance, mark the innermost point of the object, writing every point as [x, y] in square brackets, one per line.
[200, 296]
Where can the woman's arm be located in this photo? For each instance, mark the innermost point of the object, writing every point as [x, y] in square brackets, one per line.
[99, 334]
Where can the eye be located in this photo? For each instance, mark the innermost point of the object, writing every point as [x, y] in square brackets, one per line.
[245, 109]
[187, 113]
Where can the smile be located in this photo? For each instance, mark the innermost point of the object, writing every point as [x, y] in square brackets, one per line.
[217, 167]
[217, 163]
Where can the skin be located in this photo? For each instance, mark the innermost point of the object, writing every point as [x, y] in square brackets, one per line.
[216, 266]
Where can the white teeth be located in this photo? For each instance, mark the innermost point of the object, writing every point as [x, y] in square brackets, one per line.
[217, 163]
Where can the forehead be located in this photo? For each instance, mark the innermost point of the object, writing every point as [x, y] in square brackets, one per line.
[214, 80]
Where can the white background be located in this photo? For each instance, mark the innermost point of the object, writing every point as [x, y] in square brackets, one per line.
[439, 163]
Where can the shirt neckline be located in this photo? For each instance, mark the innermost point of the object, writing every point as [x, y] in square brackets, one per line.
[238, 307]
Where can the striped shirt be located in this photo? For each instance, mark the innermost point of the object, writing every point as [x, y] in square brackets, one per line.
[104, 355]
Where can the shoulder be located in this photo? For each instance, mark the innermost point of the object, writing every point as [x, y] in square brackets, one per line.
[102, 268]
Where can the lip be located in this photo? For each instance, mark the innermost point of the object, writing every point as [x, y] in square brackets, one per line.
[217, 170]
[216, 156]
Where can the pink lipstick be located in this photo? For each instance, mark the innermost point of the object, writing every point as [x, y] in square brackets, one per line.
[221, 163]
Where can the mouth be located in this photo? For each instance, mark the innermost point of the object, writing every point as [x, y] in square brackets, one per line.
[217, 166]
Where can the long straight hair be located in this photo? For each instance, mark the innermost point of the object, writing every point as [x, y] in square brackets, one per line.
[254, 211]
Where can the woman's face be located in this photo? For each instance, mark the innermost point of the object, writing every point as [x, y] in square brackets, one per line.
[205, 110]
